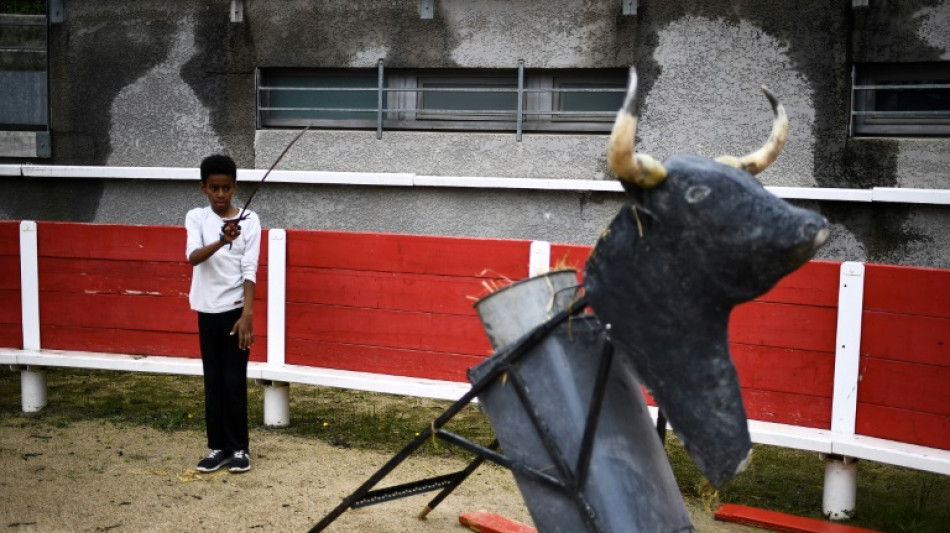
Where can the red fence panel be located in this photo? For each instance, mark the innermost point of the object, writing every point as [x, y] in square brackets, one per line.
[124, 289]
[393, 304]
[11, 319]
[904, 391]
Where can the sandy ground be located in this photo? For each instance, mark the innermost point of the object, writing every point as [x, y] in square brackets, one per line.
[97, 476]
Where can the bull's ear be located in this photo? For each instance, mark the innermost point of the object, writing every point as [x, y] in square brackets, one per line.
[763, 157]
[637, 169]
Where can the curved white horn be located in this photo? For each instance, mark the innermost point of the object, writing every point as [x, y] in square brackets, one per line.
[626, 164]
[763, 157]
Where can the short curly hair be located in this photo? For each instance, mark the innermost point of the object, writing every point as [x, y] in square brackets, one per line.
[218, 164]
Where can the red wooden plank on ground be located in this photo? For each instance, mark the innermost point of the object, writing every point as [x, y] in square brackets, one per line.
[784, 326]
[903, 425]
[911, 338]
[815, 283]
[418, 254]
[380, 360]
[381, 327]
[776, 521]
[384, 290]
[784, 370]
[787, 408]
[912, 386]
[908, 290]
[485, 522]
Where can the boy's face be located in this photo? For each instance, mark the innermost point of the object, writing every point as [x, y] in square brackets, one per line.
[219, 188]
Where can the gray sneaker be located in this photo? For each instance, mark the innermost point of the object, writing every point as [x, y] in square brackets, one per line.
[240, 462]
[213, 461]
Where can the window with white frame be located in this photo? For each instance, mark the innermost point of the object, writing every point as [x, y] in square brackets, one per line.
[905, 99]
[557, 100]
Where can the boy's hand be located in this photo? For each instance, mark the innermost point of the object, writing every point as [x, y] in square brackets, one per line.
[231, 230]
[245, 332]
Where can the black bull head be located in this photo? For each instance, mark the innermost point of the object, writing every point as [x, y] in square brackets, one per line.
[697, 237]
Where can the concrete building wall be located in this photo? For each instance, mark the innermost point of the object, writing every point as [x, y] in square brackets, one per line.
[166, 83]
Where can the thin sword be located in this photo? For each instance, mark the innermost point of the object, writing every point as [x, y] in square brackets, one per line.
[242, 215]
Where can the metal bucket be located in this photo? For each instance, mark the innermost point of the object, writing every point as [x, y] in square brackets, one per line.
[513, 311]
[630, 486]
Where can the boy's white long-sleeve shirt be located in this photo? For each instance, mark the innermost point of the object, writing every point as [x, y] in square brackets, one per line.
[217, 284]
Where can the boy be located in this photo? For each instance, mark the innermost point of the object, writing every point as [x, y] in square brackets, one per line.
[222, 292]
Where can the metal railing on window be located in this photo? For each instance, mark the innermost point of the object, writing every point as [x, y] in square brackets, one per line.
[514, 118]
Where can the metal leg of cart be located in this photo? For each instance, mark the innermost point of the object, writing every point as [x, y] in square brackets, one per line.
[502, 361]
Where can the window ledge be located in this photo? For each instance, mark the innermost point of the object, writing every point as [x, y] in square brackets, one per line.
[28, 144]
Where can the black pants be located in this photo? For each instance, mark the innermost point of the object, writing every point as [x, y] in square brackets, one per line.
[225, 376]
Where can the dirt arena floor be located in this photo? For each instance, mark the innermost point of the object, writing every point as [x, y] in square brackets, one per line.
[96, 476]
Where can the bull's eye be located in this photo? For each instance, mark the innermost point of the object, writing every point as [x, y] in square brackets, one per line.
[697, 193]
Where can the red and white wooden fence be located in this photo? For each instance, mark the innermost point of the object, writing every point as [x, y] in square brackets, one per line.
[850, 360]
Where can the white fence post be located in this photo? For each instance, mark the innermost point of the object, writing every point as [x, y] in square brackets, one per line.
[841, 473]
[539, 259]
[276, 297]
[32, 379]
[29, 285]
[276, 393]
[276, 404]
[32, 389]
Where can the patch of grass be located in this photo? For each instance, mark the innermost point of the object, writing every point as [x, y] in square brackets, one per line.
[889, 498]
[159, 401]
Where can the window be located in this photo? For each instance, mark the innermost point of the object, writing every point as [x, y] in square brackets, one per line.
[910, 99]
[335, 97]
[569, 100]
[24, 82]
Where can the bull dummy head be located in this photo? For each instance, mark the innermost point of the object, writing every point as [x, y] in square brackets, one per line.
[697, 237]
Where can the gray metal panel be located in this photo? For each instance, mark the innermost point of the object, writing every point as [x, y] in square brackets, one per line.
[24, 144]
[57, 11]
[43, 145]
[25, 100]
[426, 9]
[237, 10]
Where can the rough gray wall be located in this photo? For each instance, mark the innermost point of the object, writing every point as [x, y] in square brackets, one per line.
[150, 84]
[165, 83]
[439, 153]
[462, 33]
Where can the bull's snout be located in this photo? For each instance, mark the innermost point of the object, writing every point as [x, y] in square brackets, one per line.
[815, 232]
[811, 234]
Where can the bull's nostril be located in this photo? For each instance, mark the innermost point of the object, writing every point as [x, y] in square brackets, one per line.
[815, 232]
